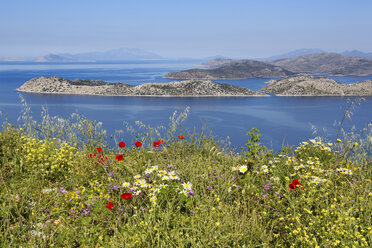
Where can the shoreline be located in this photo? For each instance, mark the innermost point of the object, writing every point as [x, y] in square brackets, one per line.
[82, 94]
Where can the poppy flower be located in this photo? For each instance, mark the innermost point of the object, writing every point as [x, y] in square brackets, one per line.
[91, 155]
[138, 144]
[156, 143]
[121, 144]
[119, 157]
[99, 149]
[126, 196]
[295, 184]
[161, 141]
[110, 205]
[180, 137]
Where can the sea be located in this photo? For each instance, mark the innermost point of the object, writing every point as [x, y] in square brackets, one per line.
[281, 120]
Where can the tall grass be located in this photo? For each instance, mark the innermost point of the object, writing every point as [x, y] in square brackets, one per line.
[56, 188]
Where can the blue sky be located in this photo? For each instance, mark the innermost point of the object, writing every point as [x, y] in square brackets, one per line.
[177, 28]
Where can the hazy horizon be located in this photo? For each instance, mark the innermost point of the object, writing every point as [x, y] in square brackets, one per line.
[192, 29]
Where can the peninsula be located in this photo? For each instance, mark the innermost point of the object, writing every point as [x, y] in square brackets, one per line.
[188, 88]
[306, 85]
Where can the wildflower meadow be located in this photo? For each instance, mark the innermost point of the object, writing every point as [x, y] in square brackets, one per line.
[64, 183]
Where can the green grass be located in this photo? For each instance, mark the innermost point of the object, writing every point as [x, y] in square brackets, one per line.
[54, 190]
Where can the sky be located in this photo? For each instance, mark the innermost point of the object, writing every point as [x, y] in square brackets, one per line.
[184, 28]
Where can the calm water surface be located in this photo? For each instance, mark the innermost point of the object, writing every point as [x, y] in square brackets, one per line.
[280, 119]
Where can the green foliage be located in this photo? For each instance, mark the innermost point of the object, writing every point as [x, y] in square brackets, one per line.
[60, 185]
[253, 145]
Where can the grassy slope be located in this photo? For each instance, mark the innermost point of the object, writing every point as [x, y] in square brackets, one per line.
[54, 193]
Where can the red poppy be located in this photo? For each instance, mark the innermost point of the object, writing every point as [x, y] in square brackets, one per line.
[99, 149]
[126, 196]
[156, 143]
[295, 184]
[160, 141]
[119, 157]
[121, 144]
[180, 137]
[91, 155]
[110, 205]
[138, 144]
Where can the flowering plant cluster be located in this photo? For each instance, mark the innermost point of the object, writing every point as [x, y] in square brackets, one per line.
[188, 194]
[46, 157]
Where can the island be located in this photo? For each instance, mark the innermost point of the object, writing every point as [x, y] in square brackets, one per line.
[188, 88]
[306, 85]
[226, 69]
[319, 63]
[327, 63]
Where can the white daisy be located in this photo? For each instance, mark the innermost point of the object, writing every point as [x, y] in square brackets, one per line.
[243, 169]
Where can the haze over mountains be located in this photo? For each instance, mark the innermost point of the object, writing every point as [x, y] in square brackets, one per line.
[122, 54]
[119, 54]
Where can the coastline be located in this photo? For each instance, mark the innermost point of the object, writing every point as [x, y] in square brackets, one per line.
[82, 94]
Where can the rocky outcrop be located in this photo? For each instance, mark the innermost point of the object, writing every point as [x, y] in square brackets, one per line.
[306, 85]
[58, 85]
[327, 63]
[240, 69]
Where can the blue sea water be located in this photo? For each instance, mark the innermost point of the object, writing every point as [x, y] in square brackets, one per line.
[280, 119]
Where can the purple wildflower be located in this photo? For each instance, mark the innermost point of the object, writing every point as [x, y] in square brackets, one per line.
[191, 192]
[62, 190]
[267, 187]
[209, 187]
[265, 196]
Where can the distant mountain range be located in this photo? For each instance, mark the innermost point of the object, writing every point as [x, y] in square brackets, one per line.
[114, 55]
[327, 63]
[305, 51]
[12, 59]
[55, 58]
[122, 54]
[295, 53]
[110, 55]
[319, 63]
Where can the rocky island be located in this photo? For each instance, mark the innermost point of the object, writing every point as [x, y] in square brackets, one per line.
[319, 63]
[306, 85]
[199, 88]
[327, 63]
[227, 69]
